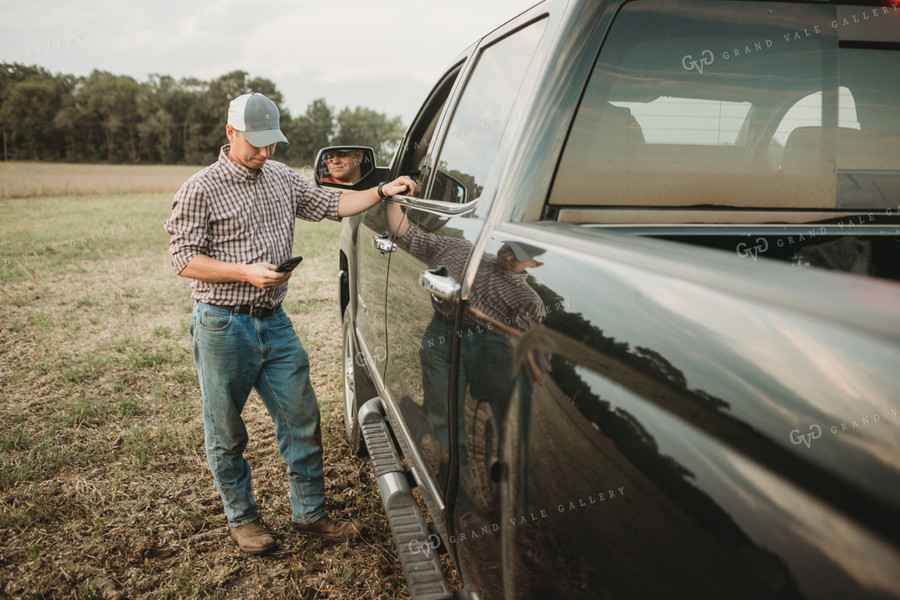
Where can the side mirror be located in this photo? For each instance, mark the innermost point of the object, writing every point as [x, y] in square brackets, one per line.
[344, 166]
[447, 188]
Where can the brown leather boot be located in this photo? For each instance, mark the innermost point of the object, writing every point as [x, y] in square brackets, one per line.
[253, 538]
[330, 529]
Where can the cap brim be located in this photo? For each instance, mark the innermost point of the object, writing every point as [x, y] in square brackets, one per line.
[264, 138]
[525, 252]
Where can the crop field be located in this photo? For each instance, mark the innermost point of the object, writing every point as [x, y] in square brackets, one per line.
[104, 488]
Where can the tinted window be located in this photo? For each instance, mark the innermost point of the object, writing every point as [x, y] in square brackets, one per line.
[739, 104]
[414, 151]
[484, 112]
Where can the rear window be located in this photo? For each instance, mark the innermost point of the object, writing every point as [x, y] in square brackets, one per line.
[739, 104]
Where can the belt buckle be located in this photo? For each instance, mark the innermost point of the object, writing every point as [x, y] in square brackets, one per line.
[258, 312]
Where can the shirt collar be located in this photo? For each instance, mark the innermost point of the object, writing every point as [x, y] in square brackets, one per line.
[236, 169]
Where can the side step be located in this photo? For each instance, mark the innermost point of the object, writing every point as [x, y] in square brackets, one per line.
[416, 545]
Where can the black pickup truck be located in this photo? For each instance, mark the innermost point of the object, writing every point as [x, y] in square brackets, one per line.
[637, 335]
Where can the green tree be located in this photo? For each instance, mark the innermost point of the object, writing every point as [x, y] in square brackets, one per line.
[163, 106]
[106, 115]
[27, 114]
[193, 142]
[365, 127]
[308, 133]
[113, 118]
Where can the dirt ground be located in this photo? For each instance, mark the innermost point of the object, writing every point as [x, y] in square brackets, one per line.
[104, 488]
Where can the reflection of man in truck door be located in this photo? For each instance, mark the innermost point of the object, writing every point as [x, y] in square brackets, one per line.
[501, 306]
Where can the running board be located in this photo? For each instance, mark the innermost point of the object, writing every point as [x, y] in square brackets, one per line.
[416, 545]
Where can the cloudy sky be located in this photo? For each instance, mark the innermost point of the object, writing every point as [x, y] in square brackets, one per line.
[383, 55]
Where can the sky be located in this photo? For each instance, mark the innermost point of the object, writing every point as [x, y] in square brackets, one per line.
[385, 56]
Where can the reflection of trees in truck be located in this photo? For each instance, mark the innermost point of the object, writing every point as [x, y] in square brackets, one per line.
[662, 384]
[670, 480]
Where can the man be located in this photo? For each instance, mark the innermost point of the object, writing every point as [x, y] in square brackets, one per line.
[343, 166]
[231, 223]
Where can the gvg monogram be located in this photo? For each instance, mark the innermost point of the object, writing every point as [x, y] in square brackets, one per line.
[762, 245]
[697, 64]
[426, 546]
[815, 432]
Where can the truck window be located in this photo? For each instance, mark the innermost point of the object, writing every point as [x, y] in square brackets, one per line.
[412, 155]
[668, 120]
[807, 112]
[483, 113]
[739, 104]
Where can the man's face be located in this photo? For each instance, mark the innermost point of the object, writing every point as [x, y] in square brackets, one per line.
[519, 265]
[343, 165]
[242, 152]
[513, 264]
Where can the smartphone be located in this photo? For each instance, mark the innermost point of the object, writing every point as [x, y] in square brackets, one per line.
[289, 264]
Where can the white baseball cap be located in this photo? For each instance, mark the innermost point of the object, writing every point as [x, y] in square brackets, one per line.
[256, 117]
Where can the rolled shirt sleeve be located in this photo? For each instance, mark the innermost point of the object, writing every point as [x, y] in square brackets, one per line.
[313, 203]
[187, 225]
[420, 244]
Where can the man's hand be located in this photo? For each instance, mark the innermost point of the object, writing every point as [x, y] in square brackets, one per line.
[402, 185]
[263, 275]
[352, 203]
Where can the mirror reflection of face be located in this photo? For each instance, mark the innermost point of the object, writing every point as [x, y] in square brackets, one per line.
[344, 165]
[512, 263]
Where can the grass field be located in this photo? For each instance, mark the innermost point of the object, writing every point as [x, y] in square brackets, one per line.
[104, 488]
[31, 179]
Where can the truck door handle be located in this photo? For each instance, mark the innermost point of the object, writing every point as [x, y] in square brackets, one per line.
[383, 244]
[439, 283]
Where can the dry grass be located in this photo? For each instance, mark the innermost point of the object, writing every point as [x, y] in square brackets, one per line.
[104, 488]
[29, 179]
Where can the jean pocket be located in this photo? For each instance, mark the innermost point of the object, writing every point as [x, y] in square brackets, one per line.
[283, 318]
[212, 319]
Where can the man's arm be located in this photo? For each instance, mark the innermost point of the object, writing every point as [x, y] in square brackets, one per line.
[397, 222]
[210, 270]
[352, 203]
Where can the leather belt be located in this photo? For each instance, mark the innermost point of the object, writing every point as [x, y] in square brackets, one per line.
[257, 312]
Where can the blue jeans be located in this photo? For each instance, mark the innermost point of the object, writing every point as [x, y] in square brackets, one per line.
[235, 353]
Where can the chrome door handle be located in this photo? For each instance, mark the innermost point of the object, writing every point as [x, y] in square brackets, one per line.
[439, 283]
[383, 244]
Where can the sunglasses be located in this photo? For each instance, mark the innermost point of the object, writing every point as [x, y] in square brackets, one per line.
[339, 154]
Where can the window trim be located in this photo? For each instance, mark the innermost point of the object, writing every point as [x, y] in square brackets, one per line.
[436, 207]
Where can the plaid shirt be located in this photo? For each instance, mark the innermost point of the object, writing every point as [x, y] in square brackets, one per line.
[227, 214]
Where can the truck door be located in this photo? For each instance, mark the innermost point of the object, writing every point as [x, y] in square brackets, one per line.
[372, 266]
[435, 235]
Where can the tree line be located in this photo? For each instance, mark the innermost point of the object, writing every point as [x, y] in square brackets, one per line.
[115, 119]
